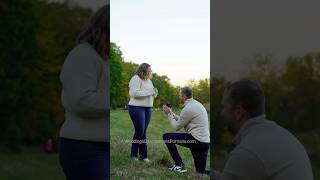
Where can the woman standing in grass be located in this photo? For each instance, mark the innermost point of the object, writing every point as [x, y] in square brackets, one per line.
[142, 94]
[84, 136]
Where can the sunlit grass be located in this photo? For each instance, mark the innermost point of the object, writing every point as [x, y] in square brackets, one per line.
[122, 167]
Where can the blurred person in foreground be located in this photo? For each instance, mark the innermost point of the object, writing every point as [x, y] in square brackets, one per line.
[84, 135]
[264, 150]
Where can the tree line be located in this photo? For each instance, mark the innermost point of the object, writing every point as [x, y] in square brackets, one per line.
[291, 92]
[35, 38]
[122, 71]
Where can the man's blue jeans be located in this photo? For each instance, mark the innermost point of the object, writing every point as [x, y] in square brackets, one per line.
[198, 149]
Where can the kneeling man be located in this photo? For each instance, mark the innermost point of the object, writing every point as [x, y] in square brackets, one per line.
[194, 119]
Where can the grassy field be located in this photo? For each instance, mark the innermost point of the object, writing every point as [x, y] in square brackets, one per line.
[31, 164]
[122, 167]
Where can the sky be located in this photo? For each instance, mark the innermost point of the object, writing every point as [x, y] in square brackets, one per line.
[244, 28]
[173, 36]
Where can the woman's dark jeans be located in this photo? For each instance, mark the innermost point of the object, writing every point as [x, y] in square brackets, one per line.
[83, 160]
[140, 117]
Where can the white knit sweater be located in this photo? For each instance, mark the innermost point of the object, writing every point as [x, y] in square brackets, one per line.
[194, 119]
[141, 92]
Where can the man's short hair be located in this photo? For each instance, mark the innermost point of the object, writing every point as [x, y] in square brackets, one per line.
[187, 91]
[248, 94]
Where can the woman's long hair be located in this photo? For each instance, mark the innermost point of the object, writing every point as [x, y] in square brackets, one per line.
[97, 32]
[142, 71]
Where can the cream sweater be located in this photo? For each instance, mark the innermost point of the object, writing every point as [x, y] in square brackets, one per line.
[85, 95]
[141, 92]
[194, 119]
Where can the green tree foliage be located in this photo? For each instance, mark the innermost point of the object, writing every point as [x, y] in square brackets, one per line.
[116, 75]
[301, 79]
[218, 125]
[201, 90]
[167, 92]
[35, 37]
[60, 26]
[292, 92]
[121, 73]
[19, 51]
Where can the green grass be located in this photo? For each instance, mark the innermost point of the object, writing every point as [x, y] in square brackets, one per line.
[34, 164]
[31, 164]
[122, 167]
